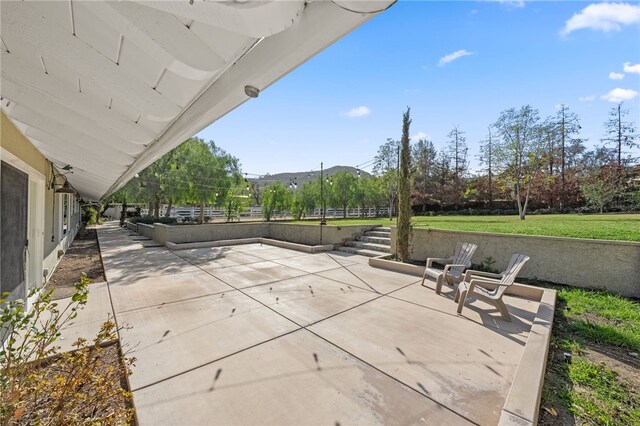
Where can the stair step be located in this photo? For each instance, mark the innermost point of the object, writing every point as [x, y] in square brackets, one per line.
[376, 240]
[382, 228]
[369, 246]
[382, 234]
[361, 252]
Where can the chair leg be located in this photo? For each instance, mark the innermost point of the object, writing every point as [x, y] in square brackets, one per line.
[462, 297]
[503, 310]
[424, 277]
[439, 283]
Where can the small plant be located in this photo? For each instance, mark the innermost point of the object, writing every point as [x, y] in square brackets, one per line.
[40, 385]
[487, 265]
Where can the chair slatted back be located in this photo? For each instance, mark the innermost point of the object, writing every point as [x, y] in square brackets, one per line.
[463, 255]
[516, 263]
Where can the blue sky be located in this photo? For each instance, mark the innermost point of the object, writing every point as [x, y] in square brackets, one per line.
[454, 63]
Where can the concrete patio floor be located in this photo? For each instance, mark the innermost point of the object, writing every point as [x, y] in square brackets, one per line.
[254, 334]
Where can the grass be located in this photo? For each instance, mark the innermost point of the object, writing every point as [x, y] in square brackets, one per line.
[599, 386]
[623, 227]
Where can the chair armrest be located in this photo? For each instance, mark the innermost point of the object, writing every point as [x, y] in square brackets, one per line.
[471, 272]
[441, 260]
[452, 265]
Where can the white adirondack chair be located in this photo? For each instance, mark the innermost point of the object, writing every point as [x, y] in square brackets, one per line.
[454, 266]
[490, 287]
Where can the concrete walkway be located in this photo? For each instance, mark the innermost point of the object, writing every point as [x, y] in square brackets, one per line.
[254, 334]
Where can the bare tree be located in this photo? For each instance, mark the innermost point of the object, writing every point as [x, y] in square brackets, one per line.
[518, 154]
[457, 148]
[487, 159]
[621, 134]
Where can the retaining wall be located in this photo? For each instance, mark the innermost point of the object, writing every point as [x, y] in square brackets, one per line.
[301, 234]
[614, 265]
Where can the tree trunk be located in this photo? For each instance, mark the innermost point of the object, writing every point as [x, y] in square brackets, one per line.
[156, 208]
[344, 212]
[201, 212]
[167, 213]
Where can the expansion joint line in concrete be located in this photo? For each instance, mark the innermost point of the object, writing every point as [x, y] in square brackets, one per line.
[306, 328]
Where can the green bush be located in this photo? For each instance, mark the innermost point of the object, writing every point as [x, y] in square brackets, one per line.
[90, 215]
[150, 220]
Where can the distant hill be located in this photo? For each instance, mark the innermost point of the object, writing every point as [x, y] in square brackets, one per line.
[303, 177]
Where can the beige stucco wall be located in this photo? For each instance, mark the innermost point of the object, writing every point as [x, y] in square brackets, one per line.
[17, 144]
[301, 234]
[614, 265]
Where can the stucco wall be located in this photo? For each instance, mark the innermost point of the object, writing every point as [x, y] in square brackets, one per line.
[208, 232]
[614, 265]
[301, 234]
[17, 144]
[310, 234]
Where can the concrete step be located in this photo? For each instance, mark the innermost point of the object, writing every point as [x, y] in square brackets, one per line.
[375, 240]
[382, 234]
[361, 252]
[383, 248]
[382, 228]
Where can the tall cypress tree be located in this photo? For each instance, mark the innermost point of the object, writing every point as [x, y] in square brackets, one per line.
[404, 191]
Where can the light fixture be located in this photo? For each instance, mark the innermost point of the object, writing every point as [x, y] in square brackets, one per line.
[251, 91]
[65, 189]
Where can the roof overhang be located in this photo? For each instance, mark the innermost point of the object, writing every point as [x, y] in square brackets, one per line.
[109, 87]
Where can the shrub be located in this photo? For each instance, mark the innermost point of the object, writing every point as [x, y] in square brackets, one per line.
[39, 385]
[90, 215]
[150, 220]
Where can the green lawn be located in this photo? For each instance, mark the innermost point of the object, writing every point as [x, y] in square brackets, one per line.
[625, 227]
[600, 385]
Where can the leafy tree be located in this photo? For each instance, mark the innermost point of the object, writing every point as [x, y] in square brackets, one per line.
[305, 199]
[210, 171]
[362, 194]
[518, 154]
[404, 191]
[386, 167]
[276, 198]
[424, 158]
[602, 189]
[343, 191]
[443, 176]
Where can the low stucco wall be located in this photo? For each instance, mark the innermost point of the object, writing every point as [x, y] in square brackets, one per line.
[310, 234]
[614, 265]
[145, 230]
[301, 234]
[208, 232]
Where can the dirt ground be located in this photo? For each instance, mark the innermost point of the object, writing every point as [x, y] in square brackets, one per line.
[82, 256]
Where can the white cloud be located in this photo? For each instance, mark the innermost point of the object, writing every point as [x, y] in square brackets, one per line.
[634, 69]
[619, 95]
[616, 76]
[418, 136]
[604, 17]
[453, 56]
[360, 111]
[512, 3]
[586, 98]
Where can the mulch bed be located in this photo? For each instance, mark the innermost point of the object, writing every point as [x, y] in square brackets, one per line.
[82, 256]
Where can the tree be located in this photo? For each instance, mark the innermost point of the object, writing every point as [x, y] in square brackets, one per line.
[457, 150]
[210, 171]
[305, 199]
[386, 167]
[518, 154]
[621, 134]
[343, 193]
[362, 193]
[602, 189]
[276, 198]
[566, 124]
[404, 191]
[424, 159]
[443, 174]
[487, 159]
